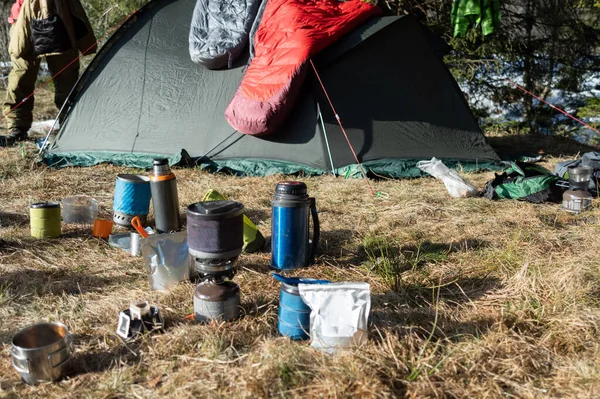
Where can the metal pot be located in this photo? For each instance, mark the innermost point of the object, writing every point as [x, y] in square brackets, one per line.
[579, 174]
[42, 352]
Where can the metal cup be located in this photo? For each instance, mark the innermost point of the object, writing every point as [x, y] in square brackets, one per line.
[135, 244]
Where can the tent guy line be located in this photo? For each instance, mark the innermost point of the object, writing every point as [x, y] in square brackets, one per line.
[553, 106]
[337, 117]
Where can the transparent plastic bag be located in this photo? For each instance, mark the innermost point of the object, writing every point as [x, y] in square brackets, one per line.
[43, 127]
[456, 185]
[167, 259]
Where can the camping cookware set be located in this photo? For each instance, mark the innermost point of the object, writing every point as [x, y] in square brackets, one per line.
[42, 352]
[578, 198]
[215, 232]
[213, 240]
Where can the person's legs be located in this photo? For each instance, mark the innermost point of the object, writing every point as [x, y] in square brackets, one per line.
[21, 83]
[67, 74]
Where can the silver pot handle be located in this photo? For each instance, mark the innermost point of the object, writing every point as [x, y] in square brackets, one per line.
[70, 348]
[18, 366]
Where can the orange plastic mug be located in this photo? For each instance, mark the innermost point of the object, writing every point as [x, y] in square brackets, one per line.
[102, 228]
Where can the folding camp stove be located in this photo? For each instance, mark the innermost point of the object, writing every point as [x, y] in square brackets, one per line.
[578, 198]
[139, 319]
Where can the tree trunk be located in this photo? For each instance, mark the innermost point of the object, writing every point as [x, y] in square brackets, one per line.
[4, 28]
[528, 65]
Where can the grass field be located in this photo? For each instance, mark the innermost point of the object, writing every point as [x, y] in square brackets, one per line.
[470, 298]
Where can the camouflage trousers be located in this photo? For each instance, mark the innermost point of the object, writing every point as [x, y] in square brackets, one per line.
[22, 82]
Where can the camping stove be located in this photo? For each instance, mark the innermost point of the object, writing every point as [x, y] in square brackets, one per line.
[216, 297]
[577, 198]
[215, 240]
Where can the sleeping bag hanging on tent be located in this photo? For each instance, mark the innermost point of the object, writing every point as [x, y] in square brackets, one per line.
[484, 13]
[219, 31]
[290, 32]
[524, 181]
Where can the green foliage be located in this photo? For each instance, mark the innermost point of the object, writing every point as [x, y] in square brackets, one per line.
[105, 15]
[550, 44]
[591, 109]
[388, 260]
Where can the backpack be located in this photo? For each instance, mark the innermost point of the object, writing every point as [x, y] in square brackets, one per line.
[524, 181]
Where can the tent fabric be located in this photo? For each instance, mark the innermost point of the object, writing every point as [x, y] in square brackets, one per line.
[255, 25]
[219, 31]
[290, 32]
[141, 97]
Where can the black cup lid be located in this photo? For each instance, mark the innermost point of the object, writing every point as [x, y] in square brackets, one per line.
[291, 188]
[45, 205]
[160, 162]
[216, 209]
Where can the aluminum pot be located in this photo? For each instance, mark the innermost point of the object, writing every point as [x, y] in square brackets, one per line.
[42, 352]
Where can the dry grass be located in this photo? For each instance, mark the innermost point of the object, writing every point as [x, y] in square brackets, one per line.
[471, 298]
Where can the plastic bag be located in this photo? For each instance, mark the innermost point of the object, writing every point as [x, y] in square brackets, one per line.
[339, 314]
[167, 259]
[456, 185]
[43, 127]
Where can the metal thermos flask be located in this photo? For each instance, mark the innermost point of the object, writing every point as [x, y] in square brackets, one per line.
[291, 212]
[163, 187]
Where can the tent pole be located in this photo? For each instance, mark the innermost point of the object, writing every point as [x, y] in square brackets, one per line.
[326, 139]
[46, 139]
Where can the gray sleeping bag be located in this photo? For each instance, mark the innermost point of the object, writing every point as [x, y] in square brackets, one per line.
[219, 31]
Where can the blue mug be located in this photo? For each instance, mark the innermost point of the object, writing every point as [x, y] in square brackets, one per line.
[293, 316]
[292, 209]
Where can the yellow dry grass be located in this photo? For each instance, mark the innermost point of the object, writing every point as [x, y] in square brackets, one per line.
[492, 299]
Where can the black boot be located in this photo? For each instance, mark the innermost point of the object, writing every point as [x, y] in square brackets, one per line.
[16, 135]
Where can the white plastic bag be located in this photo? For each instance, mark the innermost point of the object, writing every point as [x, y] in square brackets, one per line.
[43, 127]
[339, 314]
[456, 185]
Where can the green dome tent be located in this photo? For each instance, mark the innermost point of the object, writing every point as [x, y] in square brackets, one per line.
[142, 97]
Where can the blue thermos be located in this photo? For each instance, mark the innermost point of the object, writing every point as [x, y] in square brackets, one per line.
[293, 317]
[292, 209]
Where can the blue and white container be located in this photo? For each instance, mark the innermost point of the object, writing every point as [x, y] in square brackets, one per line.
[293, 317]
[131, 198]
[292, 209]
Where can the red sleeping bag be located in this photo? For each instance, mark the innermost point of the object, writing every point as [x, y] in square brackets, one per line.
[291, 31]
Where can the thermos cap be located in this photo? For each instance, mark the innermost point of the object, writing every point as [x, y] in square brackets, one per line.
[160, 162]
[291, 188]
[214, 210]
[44, 205]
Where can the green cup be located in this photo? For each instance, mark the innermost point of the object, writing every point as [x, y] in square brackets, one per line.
[45, 219]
